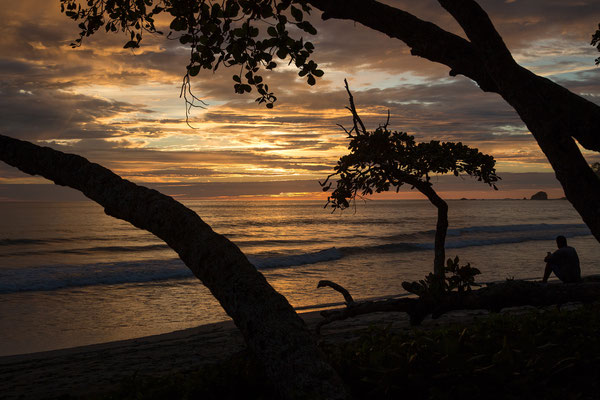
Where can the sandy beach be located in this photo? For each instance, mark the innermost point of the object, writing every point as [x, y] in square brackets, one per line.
[88, 369]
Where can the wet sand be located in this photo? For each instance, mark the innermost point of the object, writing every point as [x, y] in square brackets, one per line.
[97, 368]
[94, 368]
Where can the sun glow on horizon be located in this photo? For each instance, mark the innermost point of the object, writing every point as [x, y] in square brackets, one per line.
[122, 108]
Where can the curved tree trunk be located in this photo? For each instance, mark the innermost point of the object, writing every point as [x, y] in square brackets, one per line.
[270, 326]
[554, 115]
[541, 108]
[441, 228]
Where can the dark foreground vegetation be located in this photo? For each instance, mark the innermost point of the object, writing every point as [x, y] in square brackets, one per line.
[547, 354]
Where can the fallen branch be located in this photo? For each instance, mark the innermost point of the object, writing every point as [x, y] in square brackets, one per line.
[347, 297]
[493, 298]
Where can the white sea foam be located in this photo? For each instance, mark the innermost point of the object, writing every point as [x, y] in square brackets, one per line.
[62, 276]
[369, 250]
[55, 277]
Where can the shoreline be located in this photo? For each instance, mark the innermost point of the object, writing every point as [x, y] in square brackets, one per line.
[98, 367]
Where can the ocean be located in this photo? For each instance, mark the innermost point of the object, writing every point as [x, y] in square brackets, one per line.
[72, 276]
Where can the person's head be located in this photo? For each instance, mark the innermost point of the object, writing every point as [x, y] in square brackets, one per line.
[561, 241]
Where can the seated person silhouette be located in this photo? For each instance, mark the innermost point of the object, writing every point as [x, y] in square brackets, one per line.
[564, 262]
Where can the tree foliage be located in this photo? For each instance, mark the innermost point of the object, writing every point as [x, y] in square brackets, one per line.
[459, 277]
[596, 42]
[236, 32]
[382, 159]
[250, 34]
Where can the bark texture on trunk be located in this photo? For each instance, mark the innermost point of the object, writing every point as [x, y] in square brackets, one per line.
[555, 116]
[270, 326]
[441, 228]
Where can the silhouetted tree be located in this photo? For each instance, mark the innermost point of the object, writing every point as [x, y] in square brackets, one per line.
[270, 326]
[227, 32]
[381, 160]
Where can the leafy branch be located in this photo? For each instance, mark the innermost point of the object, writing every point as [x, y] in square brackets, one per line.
[250, 34]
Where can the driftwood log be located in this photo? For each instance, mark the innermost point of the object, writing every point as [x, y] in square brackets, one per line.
[493, 298]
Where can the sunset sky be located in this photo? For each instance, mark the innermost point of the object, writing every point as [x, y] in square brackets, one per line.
[121, 108]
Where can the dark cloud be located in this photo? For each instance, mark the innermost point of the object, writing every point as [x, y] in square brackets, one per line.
[510, 185]
[45, 192]
[509, 182]
[49, 92]
[35, 112]
[144, 165]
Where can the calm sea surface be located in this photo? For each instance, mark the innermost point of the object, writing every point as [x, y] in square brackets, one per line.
[70, 275]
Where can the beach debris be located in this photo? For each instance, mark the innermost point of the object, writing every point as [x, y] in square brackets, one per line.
[347, 297]
[493, 298]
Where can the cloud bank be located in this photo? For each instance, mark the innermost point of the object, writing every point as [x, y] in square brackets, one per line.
[122, 108]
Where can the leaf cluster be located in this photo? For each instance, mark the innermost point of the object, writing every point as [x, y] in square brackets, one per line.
[250, 34]
[382, 159]
[456, 276]
[596, 42]
[460, 277]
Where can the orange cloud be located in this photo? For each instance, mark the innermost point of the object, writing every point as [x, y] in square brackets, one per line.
[122, 108]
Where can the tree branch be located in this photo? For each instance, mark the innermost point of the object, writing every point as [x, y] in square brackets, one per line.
[480, 30]
[425, 39]
[553, 114]
[339, 288]
[355, 117]
[579, 117]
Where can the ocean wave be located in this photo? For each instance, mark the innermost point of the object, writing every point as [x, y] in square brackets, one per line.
[548, 236]
[472, 237]
[16, 242]
[55, 277]
[274, 242]
[66, 239]
[90, 250]
[61, 276]
[65, 276]
[293, 260]
[519, 228]
[309, 221]
[384, 248]
[136, 248]
[456, 242]
[542, 229]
